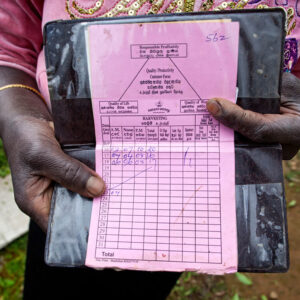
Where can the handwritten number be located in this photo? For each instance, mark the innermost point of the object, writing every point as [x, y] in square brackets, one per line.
[216, 37]
[115, 192]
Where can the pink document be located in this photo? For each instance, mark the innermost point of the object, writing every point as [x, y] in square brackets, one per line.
[167, 163]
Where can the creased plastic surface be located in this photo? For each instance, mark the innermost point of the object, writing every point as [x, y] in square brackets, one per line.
[262, 232]
[258, 167]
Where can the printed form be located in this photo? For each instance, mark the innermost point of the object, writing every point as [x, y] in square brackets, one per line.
[167, 163]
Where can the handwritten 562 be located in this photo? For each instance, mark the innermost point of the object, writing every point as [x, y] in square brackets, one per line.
[216, 37]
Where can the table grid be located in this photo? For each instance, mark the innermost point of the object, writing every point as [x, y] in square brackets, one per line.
[151, 206]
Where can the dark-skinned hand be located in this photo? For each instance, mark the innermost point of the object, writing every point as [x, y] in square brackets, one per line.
[36, 159]
[35, 156]
[283, 128]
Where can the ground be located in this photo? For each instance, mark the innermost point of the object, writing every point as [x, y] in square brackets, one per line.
[192, 286]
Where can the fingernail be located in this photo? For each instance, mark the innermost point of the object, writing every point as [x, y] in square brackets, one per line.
[51, 124]
[213, 107]
[95, 186]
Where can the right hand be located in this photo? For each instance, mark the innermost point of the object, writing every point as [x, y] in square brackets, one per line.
[36, 158]
[283, 128]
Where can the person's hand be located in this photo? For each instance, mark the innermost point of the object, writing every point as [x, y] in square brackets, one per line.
[283, 128]
[35, 157]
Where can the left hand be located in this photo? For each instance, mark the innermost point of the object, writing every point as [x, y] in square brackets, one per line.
[283, 128]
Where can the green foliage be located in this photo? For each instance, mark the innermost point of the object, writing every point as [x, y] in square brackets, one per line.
[4, 168]
[292, 177]
[292, 203]
[187, 276]
[263, 297]
[183, 288]
[192, 286]
[12, 266]
[5, 283]
[243, 278]
[236, 297]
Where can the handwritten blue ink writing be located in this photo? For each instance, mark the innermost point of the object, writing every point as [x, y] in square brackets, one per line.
[122, 157]
[216, 37]
[185, 158]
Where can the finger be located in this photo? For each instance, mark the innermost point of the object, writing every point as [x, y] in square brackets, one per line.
[53, 163]
[39, 213]
[51, 124]
[40, 209]
[33, 196]
[290, 85]
[253, 125]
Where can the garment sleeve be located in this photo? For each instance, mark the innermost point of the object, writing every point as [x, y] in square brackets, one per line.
[20, 34]
[296, 68]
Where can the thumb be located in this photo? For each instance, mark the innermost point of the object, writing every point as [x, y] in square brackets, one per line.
[255, 126]
[70, 173]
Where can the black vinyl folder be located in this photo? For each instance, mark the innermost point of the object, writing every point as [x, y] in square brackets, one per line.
[261, 208]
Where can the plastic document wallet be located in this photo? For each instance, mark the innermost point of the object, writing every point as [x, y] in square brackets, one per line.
[260, 200]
